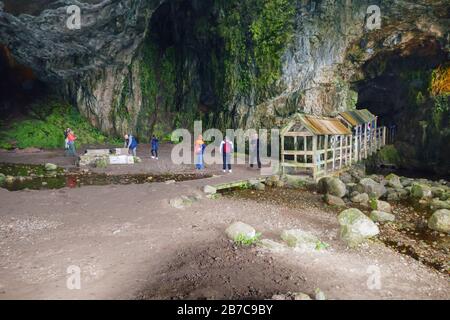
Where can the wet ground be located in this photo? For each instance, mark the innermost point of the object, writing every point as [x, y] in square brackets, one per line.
[35, 177]
[408, 235]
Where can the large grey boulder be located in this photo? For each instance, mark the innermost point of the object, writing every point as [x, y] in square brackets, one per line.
[333, 186]
[380, 216]
[371, 187]
[421, 191]
[440, 221]
[239, 229]
[300, 239]
[356, 227]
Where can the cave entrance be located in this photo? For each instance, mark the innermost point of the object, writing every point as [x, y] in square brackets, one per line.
[19, 86]
[398, 88]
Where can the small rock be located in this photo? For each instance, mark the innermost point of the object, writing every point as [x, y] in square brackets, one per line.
[356, 227]
[380, 216]
[170, 182]
[320, 295]
[301, 296]
[239, 228]
[333, 186]
[259, 186]
[50, 167]
[333, 200]
[299, 239]
[209, 189]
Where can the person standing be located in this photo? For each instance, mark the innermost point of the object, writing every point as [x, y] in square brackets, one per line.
[66, 133]
[254, 151]
[226, 148]
[199, 147]
[155, 146]
[131, 144]
[71, 143]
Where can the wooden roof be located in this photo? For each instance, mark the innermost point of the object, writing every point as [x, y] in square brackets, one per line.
[317, 125]
[357, 117]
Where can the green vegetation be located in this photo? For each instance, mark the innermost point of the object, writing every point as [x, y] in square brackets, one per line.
[243, 240]
[256, 34]
[320, 245]
[45, 125]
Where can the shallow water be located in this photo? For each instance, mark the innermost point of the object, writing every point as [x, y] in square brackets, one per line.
[36, 178]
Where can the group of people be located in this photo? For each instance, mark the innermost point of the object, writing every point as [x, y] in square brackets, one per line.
[226, 149]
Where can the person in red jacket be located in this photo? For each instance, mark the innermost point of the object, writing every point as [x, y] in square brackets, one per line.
[71, 143]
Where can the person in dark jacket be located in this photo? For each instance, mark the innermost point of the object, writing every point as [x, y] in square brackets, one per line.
[131, 144]
[155, 146]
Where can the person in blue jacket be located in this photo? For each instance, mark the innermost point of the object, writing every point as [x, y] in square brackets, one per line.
[131, 143]
[155, 146]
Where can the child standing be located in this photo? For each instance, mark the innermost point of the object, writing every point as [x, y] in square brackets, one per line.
[226, 148]
[155, 146]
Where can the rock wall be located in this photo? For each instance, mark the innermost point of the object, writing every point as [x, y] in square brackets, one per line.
[244, 61]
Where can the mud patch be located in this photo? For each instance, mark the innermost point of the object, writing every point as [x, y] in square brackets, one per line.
[221, 270]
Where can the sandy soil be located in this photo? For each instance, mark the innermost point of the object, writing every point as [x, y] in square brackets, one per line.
[130, 243]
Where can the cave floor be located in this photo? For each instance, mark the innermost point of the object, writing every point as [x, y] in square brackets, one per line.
[130, 243]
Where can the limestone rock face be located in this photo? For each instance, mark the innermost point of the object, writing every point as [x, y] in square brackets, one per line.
[98, 64]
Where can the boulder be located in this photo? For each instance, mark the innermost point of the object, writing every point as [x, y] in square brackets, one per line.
[380, 205]
[380, 216]
[440, 221]
[356, 227]
[351, 187]
[209, 189]
[421, 191]
[240, 229]
[299, 239]
[333, 186]
[272, 245]
[181, 202]
[333, 200]
[259, 186]
[371, 187]
[394, 196]
[278, 184]
[406, 182]
[360, 198]
[50, 167]
[437, 192]
[9, 179]
[393, 181]
[301, 296]
[437, 204]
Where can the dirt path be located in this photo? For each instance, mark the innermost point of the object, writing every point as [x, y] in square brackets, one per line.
[130, 243]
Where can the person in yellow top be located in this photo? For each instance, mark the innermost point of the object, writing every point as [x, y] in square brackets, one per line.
[199, 148]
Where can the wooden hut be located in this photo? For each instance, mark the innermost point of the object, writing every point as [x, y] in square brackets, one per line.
[315, 145]
[367, 137]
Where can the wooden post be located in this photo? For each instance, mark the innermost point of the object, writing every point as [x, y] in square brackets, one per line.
[282, 155]
[365, 141]
[376, 139]
[305, 148]
[325, 157]
[384, 136]
[340, 151]
[314, 141]
[351, 149]
[295, 148]
[334, 152]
